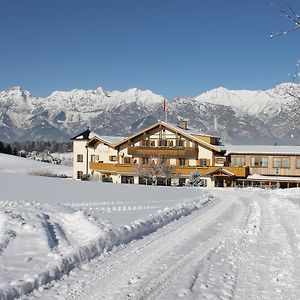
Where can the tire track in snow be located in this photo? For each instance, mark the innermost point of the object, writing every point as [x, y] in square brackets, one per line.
[87, 246]
[208, 270]
[122, 280]
[269, 270]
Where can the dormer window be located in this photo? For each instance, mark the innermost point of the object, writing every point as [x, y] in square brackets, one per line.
[163, 143]
[180, 143]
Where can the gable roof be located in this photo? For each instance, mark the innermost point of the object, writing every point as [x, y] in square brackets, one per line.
[174, 128]
[221, 170]
[113, 139]
[107, 140]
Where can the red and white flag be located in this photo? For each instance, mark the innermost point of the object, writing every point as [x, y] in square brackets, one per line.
[165, 105]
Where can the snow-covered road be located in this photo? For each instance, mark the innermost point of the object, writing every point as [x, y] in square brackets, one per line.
[243, 245]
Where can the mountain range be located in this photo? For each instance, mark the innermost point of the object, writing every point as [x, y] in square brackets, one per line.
[237, 116]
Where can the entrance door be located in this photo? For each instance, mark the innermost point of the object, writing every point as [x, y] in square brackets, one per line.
[219, 182]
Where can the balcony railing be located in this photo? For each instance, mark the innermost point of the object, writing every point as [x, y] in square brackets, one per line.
[175, 170]
[188, 152]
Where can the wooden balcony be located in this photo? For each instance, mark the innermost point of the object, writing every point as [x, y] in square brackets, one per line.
[241, 172]
[113, 168]
[188, 152]
[185, 170]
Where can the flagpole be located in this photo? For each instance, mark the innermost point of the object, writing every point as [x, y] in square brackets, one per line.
[165, 110]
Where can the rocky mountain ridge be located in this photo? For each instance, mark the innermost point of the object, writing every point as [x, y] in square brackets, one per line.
[239, 117]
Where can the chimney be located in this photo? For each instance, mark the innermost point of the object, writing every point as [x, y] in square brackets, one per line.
[183, 124]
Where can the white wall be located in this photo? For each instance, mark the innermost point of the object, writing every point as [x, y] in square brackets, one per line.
[205, 153]
[79, 148]
[103, 152]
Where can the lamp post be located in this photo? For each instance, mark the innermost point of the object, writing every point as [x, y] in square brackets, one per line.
[277, 184]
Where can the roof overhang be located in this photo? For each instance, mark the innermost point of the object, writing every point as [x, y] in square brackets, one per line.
[163, 125]
[220, 172]
[95, 141]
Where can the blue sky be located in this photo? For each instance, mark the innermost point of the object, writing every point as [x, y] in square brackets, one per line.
[172, 47]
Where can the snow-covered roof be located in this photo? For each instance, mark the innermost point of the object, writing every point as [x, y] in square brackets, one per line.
[85, 135]
[112, 139]
[88, 135]
[262, 149]
[93, 134]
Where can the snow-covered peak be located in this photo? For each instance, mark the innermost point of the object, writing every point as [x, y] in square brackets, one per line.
[146, 97]
[16, 101]
[91, 100]
[15, 92]
[252, 102]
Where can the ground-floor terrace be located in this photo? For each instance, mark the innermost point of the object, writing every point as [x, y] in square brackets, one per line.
[212, 176]
[271, 182]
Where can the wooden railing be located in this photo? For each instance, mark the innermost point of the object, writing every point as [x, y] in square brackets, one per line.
[237, 171]
[190, 152]
[180, 170]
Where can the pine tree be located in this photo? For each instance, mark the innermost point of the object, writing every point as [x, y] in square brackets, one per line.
[2, 148]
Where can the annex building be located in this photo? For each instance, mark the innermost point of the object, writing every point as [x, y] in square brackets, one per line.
[168, 154]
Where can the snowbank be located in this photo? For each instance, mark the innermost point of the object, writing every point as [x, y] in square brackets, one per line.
[40, 242]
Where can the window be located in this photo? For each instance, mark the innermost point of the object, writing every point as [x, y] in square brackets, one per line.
[163, 143]
[259, 162]
[145, 143]
[282, 162]
[171, 143]
[79, 174]
[298, 163]
[239, 161]
[219, 160]
[163, 160]
[180, 143]
[203, 162]
[181, 181]
[277, 162]
[79, 158]
[145, 160]
[93, 158]
[285, 162]
[127, 160]
[152, 143]
[112, 158]
[181, 161]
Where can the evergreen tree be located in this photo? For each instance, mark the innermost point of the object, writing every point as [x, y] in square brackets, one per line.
[2, 148]
[195, 180]
[8, 149]
[15, 152]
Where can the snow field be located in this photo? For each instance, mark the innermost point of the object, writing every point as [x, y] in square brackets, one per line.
[63, 239]
[243, 245]
[20, 165]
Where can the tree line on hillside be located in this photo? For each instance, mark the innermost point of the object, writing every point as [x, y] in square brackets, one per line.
[39, 146]
[7, 149]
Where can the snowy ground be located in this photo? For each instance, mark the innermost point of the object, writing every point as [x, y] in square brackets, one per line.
[62, 239]
[66, 158]
[20, 165]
